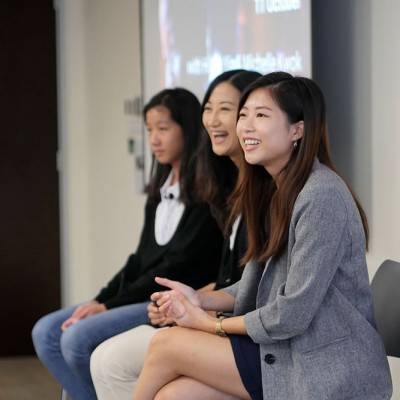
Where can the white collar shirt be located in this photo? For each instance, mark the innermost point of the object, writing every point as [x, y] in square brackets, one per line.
[169, 212]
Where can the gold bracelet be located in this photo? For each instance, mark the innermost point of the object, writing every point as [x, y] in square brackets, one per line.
[218, 328]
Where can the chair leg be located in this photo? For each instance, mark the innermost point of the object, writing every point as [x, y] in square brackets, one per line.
[64, 394]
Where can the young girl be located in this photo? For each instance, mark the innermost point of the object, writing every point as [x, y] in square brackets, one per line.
[117, 362]
[303, 327]
[180, 238]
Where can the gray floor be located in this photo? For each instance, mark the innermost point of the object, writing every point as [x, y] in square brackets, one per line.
[25, 378]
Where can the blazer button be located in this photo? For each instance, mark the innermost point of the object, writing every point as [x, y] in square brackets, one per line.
[269, 358]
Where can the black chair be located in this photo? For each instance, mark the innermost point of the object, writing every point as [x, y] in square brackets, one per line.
[385, 288]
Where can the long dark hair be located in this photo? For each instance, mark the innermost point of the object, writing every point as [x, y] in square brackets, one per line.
[218, 176]
[184, 108]
[301, 100]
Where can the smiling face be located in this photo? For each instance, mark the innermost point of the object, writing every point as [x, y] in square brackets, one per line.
[165, 137]
[219, 119]
[265, 133]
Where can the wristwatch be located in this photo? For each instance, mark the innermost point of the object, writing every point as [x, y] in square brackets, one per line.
[218, 329]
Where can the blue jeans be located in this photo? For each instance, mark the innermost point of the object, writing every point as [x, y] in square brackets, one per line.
[67, 354]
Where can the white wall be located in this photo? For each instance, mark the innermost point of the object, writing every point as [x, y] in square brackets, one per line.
[385, 100]
[102, 206]
[385, 139]
[100, 68]
[73, 151]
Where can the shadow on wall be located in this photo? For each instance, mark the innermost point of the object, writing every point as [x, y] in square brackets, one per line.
[344, 74]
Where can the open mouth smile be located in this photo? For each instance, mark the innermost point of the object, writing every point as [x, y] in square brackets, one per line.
[219, 137]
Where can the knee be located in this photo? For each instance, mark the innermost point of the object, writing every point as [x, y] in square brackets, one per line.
[42, 334]
[168, 392]
[109, 362]
[161, 339]
[42, 327]
[163, 343]
[103, 362]
[158, 344]
[38, 332]
[37, 338]
[96, 363]
[48, 328]
[75, 345]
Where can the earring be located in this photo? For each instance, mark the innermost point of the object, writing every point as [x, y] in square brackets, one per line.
[295, 144]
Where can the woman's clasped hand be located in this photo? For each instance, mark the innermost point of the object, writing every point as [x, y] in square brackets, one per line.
[180, 304]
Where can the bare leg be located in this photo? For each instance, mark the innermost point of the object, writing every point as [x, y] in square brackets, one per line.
[204, 357]
[185, 388]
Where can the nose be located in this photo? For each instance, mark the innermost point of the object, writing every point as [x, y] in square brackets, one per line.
[243, 127]
[213, 119]
[154, 138]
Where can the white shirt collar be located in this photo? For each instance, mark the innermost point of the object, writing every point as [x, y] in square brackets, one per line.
[169, 212]
[167, 189]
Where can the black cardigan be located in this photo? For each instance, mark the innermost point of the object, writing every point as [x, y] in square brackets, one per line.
[192, 257]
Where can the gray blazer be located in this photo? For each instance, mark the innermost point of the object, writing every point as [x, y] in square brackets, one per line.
[311, 309]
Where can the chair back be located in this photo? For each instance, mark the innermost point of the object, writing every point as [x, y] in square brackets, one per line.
[385, 288]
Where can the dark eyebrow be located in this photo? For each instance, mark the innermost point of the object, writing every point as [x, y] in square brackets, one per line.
[264, 108]
[162, 121]
[223, 102]
[258, 108]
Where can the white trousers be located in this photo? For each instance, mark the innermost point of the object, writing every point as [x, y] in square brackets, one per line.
[115, 364]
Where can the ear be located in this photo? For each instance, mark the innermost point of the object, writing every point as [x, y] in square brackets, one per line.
[298, 130]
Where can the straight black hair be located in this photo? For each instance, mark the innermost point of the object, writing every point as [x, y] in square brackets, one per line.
[184, 108]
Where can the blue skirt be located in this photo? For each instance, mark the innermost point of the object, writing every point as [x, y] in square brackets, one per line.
[247, 358]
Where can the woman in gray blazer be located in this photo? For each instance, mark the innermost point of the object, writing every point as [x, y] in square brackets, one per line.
[303, 325]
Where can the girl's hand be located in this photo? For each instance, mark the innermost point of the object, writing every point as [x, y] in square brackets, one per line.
[177, 307]
[156, 317]
[185, 290]
[83, 311]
